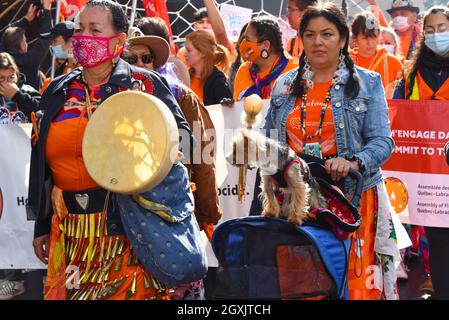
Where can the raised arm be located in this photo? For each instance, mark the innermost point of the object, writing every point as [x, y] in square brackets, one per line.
[28, 18]
[217, 24]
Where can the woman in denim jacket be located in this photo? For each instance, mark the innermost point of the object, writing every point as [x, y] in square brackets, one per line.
[332, 109]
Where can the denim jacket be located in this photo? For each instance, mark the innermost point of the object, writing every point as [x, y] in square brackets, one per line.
[362, 126]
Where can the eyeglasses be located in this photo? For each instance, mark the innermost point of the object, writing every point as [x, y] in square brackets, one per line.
[291, 10]
[145, 58]
[12, 78]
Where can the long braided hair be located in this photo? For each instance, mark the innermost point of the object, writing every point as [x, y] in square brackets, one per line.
[331, 13]
[267, 28]
[419, 56]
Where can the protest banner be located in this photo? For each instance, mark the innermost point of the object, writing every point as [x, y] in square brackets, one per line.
[16, 233]
[234, 18]
[417, 172]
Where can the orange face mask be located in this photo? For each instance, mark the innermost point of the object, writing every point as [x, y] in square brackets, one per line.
[245, 46]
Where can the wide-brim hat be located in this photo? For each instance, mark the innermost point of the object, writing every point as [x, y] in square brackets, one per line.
[402, 5]
[159, 47]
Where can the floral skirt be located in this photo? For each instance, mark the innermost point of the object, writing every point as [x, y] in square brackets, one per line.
[371, 274]
[87, 264]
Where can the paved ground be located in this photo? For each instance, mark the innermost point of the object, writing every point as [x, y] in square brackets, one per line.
[408, 290]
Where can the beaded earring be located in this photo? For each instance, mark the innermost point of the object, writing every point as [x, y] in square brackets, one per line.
[307, 73]
[340, 69]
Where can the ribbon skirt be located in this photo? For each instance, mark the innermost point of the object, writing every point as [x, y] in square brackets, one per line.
[85, 263]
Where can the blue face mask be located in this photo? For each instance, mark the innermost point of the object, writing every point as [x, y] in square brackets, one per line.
[438, 42]
[58, 52]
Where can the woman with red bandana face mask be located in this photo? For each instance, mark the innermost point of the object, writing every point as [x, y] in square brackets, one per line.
[102, 265]
[263, 52]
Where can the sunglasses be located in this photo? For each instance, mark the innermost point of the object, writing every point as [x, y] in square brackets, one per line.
[145, 58]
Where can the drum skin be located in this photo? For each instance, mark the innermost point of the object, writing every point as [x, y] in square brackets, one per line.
[130, 143]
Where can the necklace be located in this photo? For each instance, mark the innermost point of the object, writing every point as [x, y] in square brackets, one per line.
[87, 96]
[310, 148]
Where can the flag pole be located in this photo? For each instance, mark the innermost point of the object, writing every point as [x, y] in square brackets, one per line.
[53, 59]
[133, 13]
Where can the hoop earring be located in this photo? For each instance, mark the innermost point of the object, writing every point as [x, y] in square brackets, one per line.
[307, 73]
[264, 54]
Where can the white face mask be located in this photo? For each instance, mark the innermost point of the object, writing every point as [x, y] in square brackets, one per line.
[400, 23]
[438, 42]
[390, 48]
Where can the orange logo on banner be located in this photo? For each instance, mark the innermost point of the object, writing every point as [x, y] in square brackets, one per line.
[420, 129]
[397, 192]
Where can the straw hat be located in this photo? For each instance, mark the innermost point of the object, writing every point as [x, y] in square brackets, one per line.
[159, 47]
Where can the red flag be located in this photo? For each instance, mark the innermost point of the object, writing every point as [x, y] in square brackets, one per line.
[158, 8]
[71, 8]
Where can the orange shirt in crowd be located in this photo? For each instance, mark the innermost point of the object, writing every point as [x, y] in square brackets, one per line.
[405, 41]
[64, 142]
[314, 105]
[295, 47]
[197, 86]
[244, 81]
[387, 65]
[426, 93]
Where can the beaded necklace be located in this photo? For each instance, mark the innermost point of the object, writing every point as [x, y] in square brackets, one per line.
[306, 137]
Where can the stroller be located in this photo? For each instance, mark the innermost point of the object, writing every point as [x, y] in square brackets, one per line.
[270, 258]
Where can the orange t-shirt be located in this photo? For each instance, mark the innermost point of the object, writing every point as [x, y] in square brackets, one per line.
[63, 150]
[244, 81]
[388, 66]
[405, 42]
[197, 86]
[295, 48]
[314, 105]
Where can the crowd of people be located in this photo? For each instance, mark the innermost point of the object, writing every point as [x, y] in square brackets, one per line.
[328, 89]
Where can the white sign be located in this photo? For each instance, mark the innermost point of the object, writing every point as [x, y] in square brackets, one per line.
[235, 18]
[227, 122]
[16, 233]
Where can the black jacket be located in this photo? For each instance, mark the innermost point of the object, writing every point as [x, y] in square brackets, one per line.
[39, 205]
[27, 99]
[29, 63]
[216, 88]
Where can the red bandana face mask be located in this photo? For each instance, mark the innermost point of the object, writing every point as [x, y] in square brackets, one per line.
[92, 51]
